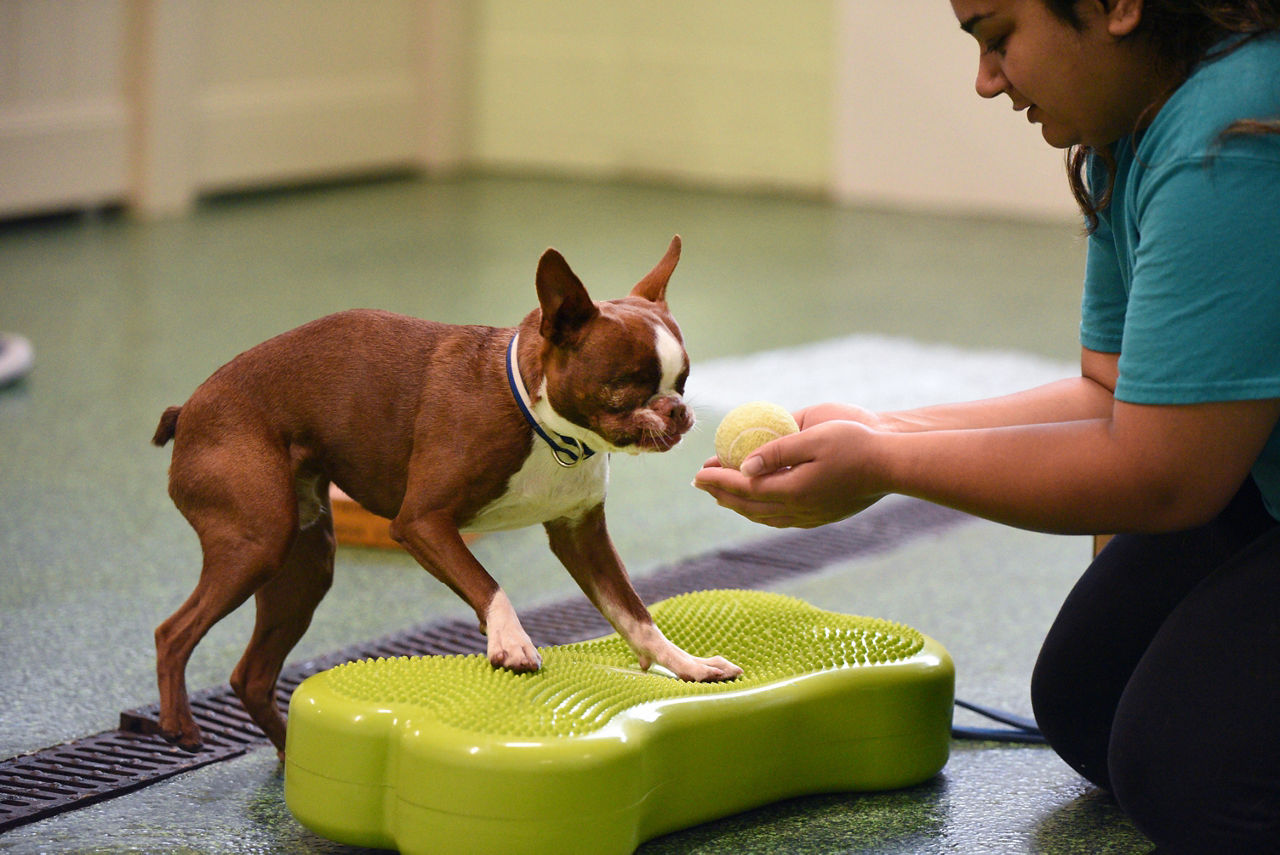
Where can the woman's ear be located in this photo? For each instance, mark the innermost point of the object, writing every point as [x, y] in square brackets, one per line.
[1123, 17]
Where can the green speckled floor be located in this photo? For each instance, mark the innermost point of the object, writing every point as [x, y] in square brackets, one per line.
[127, 318]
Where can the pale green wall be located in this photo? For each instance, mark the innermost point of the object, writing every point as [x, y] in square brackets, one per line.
[717, 92]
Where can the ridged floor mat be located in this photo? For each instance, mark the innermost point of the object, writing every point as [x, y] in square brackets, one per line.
[446, 755]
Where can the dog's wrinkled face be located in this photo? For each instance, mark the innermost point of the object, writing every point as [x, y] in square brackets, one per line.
[623, 380]
[615, 369]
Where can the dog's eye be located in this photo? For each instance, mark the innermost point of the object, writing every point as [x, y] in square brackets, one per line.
[616, 398]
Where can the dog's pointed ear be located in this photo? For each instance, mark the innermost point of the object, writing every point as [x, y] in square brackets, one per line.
[566, 306]
[653, 286]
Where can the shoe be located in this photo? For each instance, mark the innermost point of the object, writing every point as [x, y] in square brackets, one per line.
[16, 358]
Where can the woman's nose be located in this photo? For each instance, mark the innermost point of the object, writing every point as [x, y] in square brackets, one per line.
[991, 80]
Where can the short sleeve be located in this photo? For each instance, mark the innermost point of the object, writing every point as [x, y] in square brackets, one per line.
[1102, 309]
[1203, 316]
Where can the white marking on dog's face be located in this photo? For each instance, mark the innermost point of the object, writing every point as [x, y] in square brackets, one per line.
[670, 357]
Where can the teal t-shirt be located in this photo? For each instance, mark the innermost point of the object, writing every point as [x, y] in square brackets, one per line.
[1183, 272]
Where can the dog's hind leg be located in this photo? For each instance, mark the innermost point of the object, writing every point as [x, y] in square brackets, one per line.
[285, 606]
[246, 524]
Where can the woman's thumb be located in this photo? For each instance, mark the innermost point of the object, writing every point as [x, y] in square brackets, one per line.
[769, 458]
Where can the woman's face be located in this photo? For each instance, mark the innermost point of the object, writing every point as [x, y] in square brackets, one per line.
[1082, 86]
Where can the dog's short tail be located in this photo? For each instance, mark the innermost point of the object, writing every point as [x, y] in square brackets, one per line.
[168, 426]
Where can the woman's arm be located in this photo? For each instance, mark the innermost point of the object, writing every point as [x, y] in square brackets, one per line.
[1143, 468]
[1077, 462]
[1083, 397]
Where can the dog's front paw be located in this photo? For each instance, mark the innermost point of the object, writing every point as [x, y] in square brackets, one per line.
[651, 647]
[695, 669]
[712, 670]
[509, 645]
[515, 654]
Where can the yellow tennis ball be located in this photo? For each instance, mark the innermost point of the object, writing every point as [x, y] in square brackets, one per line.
[748, 427]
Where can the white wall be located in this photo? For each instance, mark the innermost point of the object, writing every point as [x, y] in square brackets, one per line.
[287, 96]
[155, 102]
[233, 94]
[725, 92]
[911, 131]
[64, 117]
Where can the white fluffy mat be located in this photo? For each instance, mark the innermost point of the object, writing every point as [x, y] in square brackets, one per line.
[876, 372]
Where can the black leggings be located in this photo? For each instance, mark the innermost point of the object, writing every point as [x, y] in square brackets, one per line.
[1160, 681]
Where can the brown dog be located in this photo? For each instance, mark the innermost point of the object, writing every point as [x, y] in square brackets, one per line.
[433, 427]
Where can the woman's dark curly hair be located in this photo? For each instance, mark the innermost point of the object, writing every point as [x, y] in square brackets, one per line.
[1183, 33]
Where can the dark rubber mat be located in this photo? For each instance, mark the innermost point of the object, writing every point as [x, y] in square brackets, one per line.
[74, 774]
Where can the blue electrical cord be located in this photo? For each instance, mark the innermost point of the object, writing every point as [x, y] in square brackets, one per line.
[1020, 729]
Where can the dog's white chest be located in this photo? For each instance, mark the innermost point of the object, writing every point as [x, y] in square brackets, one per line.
[544, 490]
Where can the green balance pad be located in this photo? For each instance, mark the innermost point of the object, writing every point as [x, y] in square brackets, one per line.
[446, 754]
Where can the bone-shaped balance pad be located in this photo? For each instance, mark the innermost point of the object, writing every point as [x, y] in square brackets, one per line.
[446, 754]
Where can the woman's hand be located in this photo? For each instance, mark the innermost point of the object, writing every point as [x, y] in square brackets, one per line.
[822, 474]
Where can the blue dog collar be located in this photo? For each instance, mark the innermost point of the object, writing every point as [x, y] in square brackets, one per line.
[569, 451]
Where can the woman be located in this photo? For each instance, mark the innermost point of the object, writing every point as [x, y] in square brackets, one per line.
[1160, 679]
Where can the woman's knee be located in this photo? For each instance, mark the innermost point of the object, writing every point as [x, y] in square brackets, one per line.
[1193, 757]
[1186, 801]
[1073, 726]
